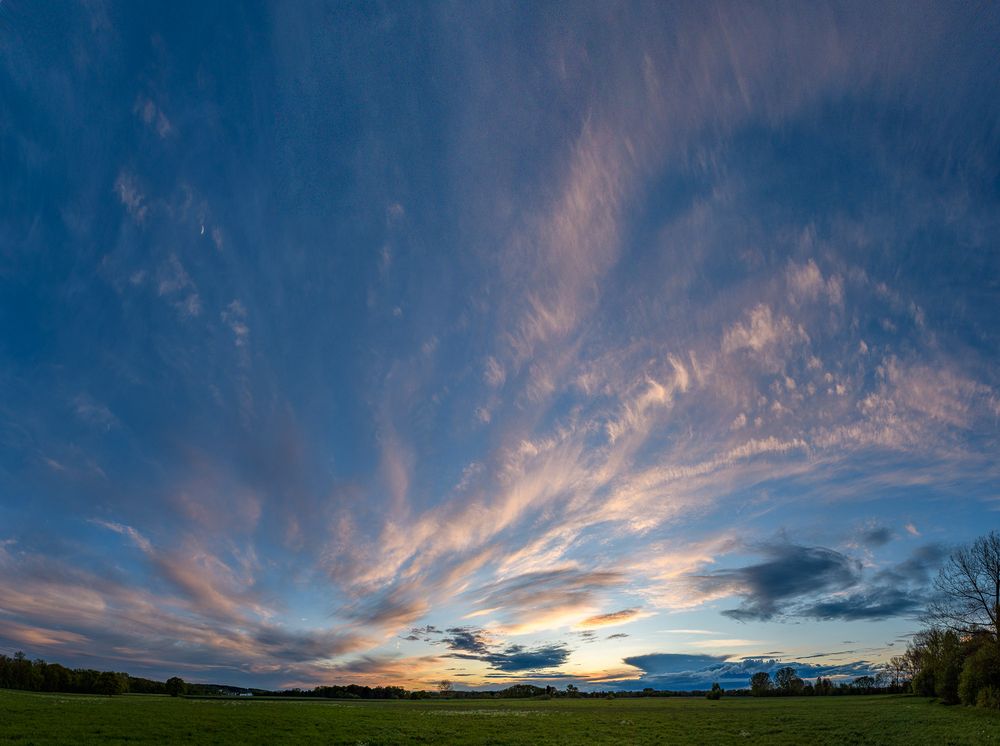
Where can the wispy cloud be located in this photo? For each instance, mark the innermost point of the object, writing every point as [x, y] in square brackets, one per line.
[153, 116]
[131, 196]
[613, 618]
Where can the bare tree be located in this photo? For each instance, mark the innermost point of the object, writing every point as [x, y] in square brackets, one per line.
[968, 589]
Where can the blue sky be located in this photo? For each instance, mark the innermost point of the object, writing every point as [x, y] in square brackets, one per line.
[609, 344]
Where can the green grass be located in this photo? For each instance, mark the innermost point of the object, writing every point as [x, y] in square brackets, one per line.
[28, 718]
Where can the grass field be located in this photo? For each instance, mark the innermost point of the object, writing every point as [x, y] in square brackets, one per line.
[29, 718]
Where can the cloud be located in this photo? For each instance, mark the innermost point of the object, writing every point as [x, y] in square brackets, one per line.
[173, 280]
[520, 658]
[662, 663]
[286, 646]
[612, 619]
[878, 603]
[153, 116]
[820, 583]
[152, 629]
[545, 599]
[917, 569]
[472, 643]
[515, 658]
[578, 237]
[138, 539]
[791, 572]
[131, 196]
[390, 610]
[494, 373]
[806, 283]
[94, 413]
[467, 639]
[877, 536]
[234, 316]
[763, 334]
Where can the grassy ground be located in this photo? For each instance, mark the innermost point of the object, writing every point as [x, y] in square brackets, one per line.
[27, 718]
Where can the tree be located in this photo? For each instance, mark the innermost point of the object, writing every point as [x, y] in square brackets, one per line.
[939, 655]
[898, 669]
[968, 589]
[864, 683]
[111, 683]
[980, 672]
[787, 681]
[175, 686]
[760, 684]
[445, 687]
[716, 691]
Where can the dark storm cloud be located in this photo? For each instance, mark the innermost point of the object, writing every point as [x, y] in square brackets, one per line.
[466, 639]
[472, 643]
[791, 572]
[918, 568]
[799, 581]
[876, 603]
[520, 658]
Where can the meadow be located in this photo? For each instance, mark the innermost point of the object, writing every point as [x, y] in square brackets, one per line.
[34, 718]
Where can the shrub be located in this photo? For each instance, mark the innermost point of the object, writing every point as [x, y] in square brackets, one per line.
[981, 671]
[941, 656]
[989, 697]
[923, 683]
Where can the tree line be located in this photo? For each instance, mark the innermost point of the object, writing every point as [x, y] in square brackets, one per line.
[38, 676]
[20, 672]
[787, 683]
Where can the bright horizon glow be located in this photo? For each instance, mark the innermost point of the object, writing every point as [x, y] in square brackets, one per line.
[619, 346]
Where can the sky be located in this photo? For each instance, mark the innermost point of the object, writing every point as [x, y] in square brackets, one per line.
[615, 345]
